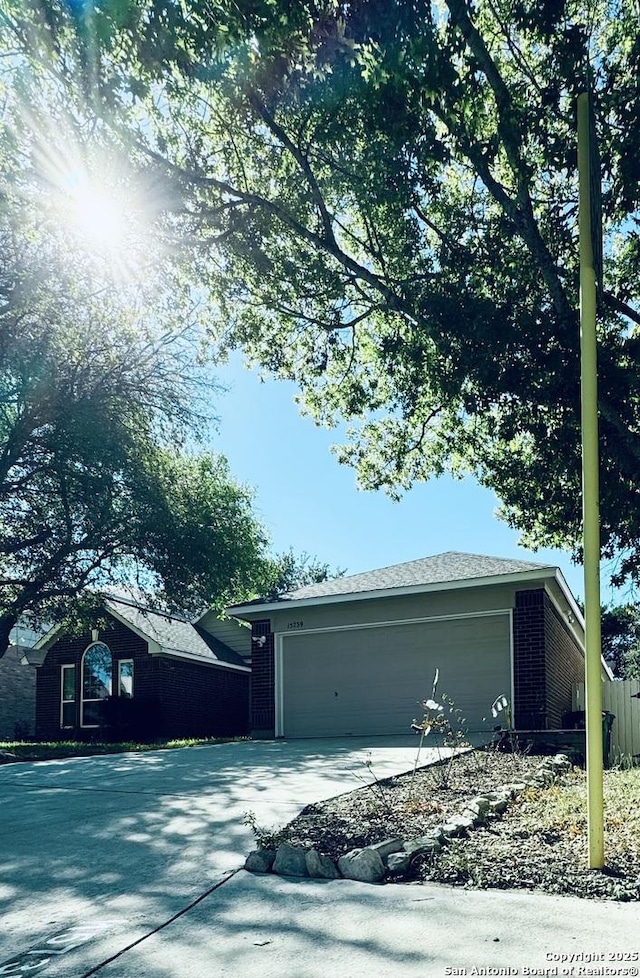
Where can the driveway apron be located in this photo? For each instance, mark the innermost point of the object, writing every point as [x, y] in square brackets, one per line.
[121, 843]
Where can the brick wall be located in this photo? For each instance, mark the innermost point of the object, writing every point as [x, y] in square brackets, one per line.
[171, 697]
[529, 660]
[564, 665]
[68, 650]
[17, 696]
[262, 681]
[548, 660]
[202, 701]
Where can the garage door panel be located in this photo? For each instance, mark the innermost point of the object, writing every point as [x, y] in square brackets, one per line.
[371, 681]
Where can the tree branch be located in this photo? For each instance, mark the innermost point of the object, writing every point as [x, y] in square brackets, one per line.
[623, 308]
[521, 214]
[321, 242]
[303, 163]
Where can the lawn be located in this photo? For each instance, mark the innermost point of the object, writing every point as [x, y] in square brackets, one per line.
[46, 751]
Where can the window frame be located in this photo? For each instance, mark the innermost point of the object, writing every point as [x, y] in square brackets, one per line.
[130, 695]
[63, 702]
[100, 699]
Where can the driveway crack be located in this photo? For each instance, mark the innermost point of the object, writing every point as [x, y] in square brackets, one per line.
[166, 923]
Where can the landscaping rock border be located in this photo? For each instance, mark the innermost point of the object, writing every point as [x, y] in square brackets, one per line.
[391, 859]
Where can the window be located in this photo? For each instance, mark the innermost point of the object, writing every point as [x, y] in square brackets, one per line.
[125, 678]
[68, 696]
[96, 682]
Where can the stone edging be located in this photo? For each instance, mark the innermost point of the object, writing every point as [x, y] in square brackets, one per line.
[392, 858]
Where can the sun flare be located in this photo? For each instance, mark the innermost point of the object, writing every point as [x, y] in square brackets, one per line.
[98, 205]
[98, 217]
[103, 216]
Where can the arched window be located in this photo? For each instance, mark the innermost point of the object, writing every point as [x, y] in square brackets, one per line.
[97, 670]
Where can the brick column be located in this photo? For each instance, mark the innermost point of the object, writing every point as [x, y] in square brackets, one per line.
[565, 665]
[263, 712]
[529, 660]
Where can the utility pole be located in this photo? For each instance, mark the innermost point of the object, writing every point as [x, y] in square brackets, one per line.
[590, 254]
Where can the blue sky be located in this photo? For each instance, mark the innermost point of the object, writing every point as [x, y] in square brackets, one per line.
[311, 503]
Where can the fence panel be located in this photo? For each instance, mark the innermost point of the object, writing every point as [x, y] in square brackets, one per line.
[619, 698]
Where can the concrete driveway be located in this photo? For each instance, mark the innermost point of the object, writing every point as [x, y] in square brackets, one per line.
[129, 840]
[127, 867]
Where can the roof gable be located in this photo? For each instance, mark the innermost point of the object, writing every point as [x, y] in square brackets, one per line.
[441, 570]
[164, 634]
[172, 635]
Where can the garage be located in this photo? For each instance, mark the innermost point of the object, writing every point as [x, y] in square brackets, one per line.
[372, 680]
[356, 655]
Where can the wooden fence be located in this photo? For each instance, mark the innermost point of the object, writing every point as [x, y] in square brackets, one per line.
[621, 699]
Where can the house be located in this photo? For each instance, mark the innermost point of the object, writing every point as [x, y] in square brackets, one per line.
[18, 684]
[18, 697]
[144, 674]
[357, 655]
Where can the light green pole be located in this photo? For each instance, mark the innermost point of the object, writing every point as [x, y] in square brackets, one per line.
[590, 494]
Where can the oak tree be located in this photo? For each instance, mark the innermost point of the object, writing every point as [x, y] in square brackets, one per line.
[381, 197]
[103, 479]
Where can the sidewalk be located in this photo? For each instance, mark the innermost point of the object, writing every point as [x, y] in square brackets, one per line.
[271, 927]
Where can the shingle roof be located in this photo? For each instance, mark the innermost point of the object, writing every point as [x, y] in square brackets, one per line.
[173, 634]
[446, 568]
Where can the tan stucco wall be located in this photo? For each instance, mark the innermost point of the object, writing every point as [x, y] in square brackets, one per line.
[237, 636]
[457, 601]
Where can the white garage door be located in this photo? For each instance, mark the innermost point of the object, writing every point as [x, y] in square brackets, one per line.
[371, 681]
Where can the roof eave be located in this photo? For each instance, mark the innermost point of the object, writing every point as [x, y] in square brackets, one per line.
[238, 611]
[571, 601]
[151, 642]
[167, 653]
[48, 638]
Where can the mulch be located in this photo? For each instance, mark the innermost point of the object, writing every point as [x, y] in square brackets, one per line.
[512, 851]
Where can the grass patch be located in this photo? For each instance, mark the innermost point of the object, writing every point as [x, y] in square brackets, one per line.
[563, 808]
[542, 843]
[47, 751]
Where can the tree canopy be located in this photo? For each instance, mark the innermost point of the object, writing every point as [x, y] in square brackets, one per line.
[105, 476]
[95, 488]
[621, 640]
[381, 200]
[292, 571]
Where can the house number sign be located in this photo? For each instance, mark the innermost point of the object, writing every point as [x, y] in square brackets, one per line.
[295, 624]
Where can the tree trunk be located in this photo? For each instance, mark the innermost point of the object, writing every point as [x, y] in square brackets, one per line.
[7, 622]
